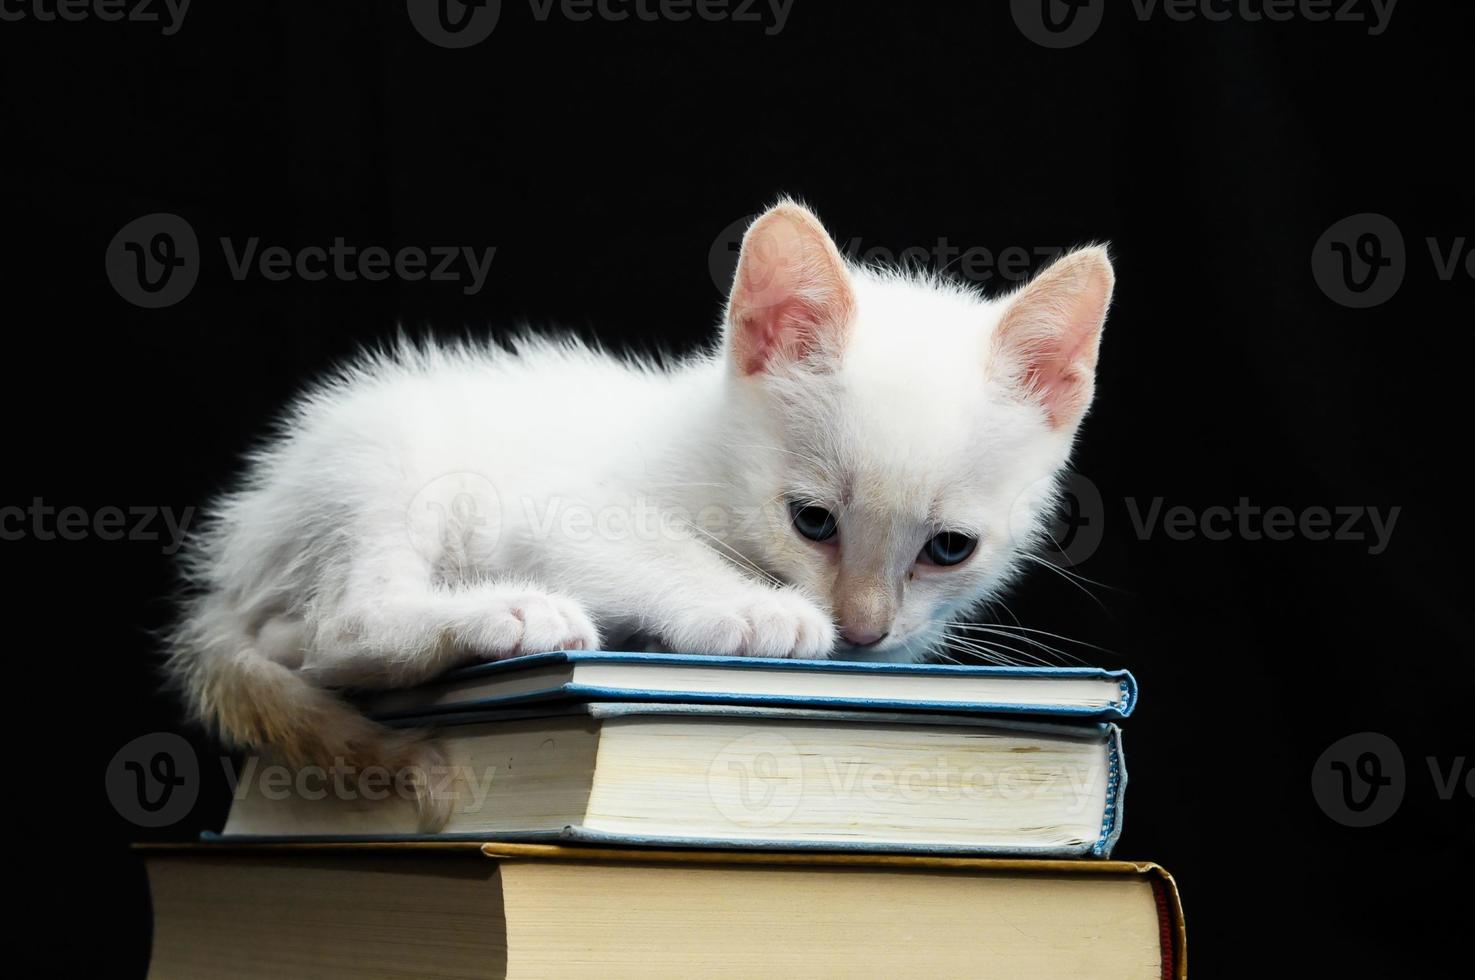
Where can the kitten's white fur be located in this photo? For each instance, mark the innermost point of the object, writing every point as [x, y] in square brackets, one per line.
[434, 505]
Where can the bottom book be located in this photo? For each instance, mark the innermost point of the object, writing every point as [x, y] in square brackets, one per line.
[525, 910]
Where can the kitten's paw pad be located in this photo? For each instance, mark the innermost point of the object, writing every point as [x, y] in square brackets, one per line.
[533, 622]
[768, 624]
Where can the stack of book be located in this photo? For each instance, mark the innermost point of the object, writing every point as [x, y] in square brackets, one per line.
[651, 814]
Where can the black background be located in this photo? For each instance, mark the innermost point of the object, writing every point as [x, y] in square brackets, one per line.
[603, 160]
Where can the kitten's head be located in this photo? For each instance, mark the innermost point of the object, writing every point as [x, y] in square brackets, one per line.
[911, 432]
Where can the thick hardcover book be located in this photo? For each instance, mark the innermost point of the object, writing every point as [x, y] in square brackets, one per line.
[1065, 692]
[729, 776]
[393, 912]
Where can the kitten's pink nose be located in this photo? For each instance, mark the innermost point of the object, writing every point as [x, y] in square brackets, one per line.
[861, 637]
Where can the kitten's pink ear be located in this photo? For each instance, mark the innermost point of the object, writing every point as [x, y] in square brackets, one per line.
[791, 296]
[1047, 341]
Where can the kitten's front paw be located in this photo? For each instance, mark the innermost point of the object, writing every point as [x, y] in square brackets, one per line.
[763, 623]
[531, 622]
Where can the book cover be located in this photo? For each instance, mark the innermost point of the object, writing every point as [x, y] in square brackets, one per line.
[826, 781]
[1081, 693]
[502, 908]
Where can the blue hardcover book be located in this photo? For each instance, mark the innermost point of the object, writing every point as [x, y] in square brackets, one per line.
[737, 776]
[1066, 692]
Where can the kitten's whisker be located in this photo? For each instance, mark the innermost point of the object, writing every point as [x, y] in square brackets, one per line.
[1065, 575]
[1000, 603]
[1054, 636]
[733, 554]
[973, 656]
[1073, 574]
[975, 627]
[1019, 657]
[988, 652]
[1025, 654]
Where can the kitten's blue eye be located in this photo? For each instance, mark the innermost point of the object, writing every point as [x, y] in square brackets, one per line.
[815, 523]
[949, 548]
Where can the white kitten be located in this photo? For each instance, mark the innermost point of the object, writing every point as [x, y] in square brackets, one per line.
[864, 458]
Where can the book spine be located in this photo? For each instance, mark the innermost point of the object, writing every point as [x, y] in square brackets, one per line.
[1116, 793]
[577, 693]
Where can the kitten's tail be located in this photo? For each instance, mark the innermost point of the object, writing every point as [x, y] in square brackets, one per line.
[251, 702]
